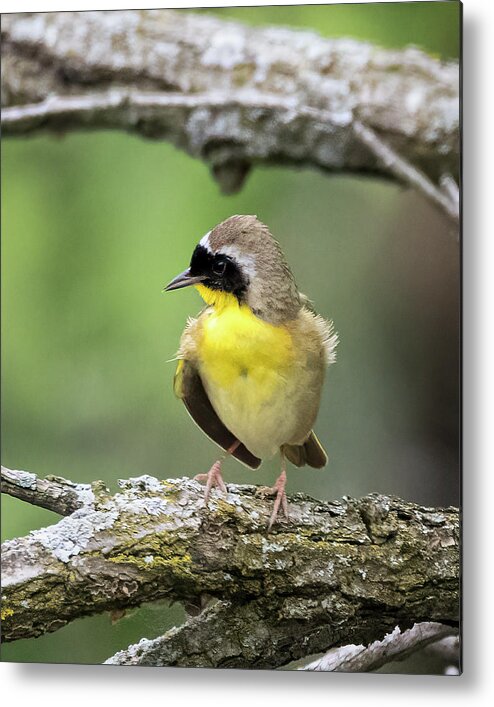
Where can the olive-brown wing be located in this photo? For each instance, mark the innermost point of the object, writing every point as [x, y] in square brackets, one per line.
[188, 387]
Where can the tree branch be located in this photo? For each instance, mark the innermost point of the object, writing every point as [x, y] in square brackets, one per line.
[54, 493]
[233, 95]
[251, 635]
[336, 572]
[394, 647]
[206, 641]
[407, 173]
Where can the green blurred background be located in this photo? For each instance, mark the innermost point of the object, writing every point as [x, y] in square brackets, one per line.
[95, 224]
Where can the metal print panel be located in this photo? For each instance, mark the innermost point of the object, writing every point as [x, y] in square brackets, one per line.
[231, 289]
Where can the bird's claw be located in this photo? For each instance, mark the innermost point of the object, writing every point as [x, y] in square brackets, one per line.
[278, 490]
[212, 478]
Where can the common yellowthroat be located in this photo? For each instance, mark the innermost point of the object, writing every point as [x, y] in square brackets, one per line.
[251, 365]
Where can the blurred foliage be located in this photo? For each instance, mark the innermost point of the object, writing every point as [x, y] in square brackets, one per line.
[95, 224]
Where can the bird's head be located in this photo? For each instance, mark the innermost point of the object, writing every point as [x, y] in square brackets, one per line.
[239, 260]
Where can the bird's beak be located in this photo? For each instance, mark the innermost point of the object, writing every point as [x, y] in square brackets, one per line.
[185, 279]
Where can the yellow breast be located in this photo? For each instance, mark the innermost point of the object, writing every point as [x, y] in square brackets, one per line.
[242, 353]
[255, 374]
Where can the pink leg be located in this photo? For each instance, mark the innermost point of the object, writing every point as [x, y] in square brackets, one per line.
[280, 500]
[277, 490]
[213, 477]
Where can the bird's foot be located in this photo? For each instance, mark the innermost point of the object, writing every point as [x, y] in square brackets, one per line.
[212, 478]
[277, 490]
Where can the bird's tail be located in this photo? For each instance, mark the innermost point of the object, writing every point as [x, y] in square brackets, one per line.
[311, 452]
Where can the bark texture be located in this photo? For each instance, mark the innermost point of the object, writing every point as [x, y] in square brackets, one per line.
[53, 493]
[335, 573]
[232, 95]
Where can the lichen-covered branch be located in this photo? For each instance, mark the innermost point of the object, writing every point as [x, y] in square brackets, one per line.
[252, 635]
[233, 95]
[395, 646]
[53, 492]
[260, 633]
[334, 573]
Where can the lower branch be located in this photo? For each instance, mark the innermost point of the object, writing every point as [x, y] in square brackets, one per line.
[336, 572]
[255, 635]
[262, 633]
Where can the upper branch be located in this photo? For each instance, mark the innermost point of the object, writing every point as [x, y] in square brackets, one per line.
[338, 572]
[231, 94]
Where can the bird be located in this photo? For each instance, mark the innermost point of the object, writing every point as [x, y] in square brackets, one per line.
[251, 365]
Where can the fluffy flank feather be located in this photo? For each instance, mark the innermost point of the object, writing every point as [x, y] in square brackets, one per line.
[330, 343]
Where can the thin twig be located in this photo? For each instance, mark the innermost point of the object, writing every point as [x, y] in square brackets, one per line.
[450, 187]
[30, 116]
[404, 171]
[395, 646]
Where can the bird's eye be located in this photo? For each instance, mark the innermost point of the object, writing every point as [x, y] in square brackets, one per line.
[219, 267]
